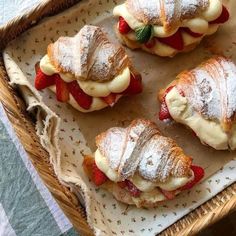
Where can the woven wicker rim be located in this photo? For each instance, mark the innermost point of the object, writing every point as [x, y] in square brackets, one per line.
[203, 216]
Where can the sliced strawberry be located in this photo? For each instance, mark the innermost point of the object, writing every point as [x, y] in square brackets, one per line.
[198, 175]
[222, 18]
[135, 85]
[98, 177]
[164, 111]
[190, 32]
[167, 91]
[123, 26]
[175, 41]
[151, 43]
[43, 81]
[110, 99]
[62, 91]
[81, 98]
[134, 191]
[168, 194]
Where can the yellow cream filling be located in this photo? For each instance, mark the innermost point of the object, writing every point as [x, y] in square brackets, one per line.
[198, 25]
[209, 132]
[143, 185]
[95, 89]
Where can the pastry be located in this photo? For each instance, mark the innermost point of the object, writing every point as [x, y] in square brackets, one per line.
[140, 166]
[204, 100]
[87, 71]
[166, 27]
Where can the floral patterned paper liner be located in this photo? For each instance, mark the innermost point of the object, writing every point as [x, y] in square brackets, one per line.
[105, 214]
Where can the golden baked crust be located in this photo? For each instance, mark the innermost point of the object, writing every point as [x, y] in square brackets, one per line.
[89, 55]
[209, 89]
[165, 12]
[141, 148]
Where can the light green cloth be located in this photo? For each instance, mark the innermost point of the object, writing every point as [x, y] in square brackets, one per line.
[26, 206]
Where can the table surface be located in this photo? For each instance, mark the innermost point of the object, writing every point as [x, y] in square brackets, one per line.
[26, 206]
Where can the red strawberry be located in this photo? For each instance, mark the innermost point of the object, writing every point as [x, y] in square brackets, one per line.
[135, 85]
[151, 43]
[168, 194]
[43, 81]
[62, 91]
[110, 99]
[134, 191]
[98, 177]
[175, 41]
[164, 112]
[222, 18]
[198, 175]
[81, 98]
[123, 26]
[190, 32]
[167, 91]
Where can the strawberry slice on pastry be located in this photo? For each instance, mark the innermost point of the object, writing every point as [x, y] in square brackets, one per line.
[104, 75]
[203, 107]
[165, 28]
[135, 171]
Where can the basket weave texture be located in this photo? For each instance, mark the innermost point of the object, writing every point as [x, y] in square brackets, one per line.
[205, 215]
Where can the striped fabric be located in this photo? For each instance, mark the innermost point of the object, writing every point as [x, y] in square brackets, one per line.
[26, 205]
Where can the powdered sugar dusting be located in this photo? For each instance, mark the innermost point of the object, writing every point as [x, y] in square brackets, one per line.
[183, 9]
[165, 12]
[146, 11]
[211, 91]
[111, 145]
[206, 98]
[154, 158]
[230, 77]
[89, 55]
[140, 147]
[136, 137]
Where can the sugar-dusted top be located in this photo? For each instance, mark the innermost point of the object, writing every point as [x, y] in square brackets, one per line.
[210, 89]
[88, 55]
[140, 148]
[165, 12]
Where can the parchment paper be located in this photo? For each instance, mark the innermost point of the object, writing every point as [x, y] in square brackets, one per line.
[67, 133]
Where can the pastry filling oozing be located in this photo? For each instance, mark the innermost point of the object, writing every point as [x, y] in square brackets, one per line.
[137, 186]
[164, 113]
[175, 106]
[86, 95]
[155, 39]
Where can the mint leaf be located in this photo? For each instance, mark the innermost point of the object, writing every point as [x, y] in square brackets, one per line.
[143, 34]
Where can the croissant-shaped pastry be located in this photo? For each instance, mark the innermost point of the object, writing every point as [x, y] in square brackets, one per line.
[87, 71]
[140, 166]
[166, 27]
[204, 100]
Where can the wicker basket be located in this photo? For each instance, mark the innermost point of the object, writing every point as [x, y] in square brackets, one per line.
[205, 215]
